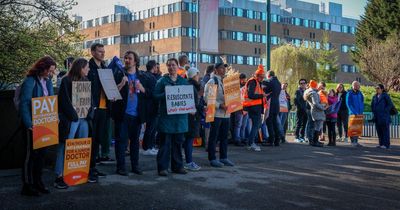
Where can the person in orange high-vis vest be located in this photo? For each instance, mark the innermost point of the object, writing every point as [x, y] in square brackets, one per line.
[254, 104]
[183, 65]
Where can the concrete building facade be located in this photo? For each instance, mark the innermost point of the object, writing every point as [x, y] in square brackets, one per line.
[159, 29]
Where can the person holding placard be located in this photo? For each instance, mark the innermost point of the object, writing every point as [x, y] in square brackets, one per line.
[171, 127]
[130, 112]
[220, 126]
[36, 84]
[355, 104]
[71, 124]
[101, 107]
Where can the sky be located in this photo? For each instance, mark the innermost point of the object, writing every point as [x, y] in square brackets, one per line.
[96, 8]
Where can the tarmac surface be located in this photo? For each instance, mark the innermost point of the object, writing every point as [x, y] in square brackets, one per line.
[292, 176]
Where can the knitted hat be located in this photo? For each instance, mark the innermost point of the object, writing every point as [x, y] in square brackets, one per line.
[260, 70]
[313, 84]
[192, 72]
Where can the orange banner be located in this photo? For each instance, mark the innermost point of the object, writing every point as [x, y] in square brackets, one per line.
[232, 93]
[77, 160]
[211, 99]
[45, 121]
[356, 123]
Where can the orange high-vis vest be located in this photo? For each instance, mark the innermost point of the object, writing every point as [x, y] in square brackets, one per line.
[252, 102]
[181, 72]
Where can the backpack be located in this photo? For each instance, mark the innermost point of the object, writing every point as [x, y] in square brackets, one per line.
[17, 95]
[393, 110]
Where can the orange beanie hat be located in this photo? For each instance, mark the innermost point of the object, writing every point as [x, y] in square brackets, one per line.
[260, 70]
[313, 84]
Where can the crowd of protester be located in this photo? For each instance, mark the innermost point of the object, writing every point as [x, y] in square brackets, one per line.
[263, 121]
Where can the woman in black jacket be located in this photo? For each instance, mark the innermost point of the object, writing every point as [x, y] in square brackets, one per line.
[194, 120]
[71, 126]
[343, 114]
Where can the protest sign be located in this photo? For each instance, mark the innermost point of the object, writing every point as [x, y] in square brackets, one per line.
[81, 97]
[232, 93]
[45, 121]
[355, 125]
[211, 99]
[77, 160]
[109, 86]
[180, 99]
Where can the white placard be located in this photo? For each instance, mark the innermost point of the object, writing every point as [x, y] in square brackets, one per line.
[107, 81]
[180, 99]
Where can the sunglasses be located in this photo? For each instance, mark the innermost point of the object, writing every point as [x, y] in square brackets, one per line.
[302, 83]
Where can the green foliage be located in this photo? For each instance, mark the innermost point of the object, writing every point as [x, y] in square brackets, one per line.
[32, 29]
[292, 63]
[326, 59]
[368, 92]
[381, 19]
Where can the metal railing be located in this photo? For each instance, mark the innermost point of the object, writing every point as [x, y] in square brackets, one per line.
[369, 129]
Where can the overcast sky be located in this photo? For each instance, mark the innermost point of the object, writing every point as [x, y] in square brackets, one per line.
[96, 8]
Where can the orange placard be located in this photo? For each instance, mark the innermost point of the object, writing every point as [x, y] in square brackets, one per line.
[211, 99]
[197, 142]
[356, 123]
[77, 160]
[45, 121]
[232, 93]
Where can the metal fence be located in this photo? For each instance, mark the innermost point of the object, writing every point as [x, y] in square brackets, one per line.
[369, 129]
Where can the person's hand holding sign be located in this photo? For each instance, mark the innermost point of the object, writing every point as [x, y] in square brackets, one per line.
[123, 82]
[222, 106]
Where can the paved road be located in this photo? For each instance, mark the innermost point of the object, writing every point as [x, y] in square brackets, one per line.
[293, 176]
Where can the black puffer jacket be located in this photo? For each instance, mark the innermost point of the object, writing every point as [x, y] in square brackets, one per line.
[194, 120]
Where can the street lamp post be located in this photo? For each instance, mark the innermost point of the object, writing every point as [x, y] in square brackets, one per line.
[268, 29]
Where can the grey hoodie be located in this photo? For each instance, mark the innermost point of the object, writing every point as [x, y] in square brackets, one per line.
[317, 109]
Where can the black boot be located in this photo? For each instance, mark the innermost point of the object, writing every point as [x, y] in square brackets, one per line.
[29, 190]
[316, 143]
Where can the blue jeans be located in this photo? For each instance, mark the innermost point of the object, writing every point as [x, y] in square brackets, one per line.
[188, 147]
[170, 149]
[264, 131]
[78, 129]
[283, 117]
[256, 121]
[129, 130]
[245, 128]
[237, 126]
[309, 126]
[218, 131]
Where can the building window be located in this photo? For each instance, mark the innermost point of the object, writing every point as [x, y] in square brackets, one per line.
[327, 26]
[255, 50]
[255, 27]
[250, 60]
[239, 36]
[275, 18]
[250, 14]
[345, 48]
[345, 68]
[352, 30]
[317, 25]
[306, 23]
[286, 32]
[249, 37]
[239, 59]
[345, 29]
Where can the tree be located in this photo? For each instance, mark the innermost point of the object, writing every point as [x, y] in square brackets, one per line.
[30, 29]
[381, 19]
[293, 63]
[380, 61]
[326, 59]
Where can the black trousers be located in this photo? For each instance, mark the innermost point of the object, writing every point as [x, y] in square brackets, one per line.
[343, 123]
[99, 134]
[273, 128]
[301, 122]
[331, 130]
[34, 162]
[149, 138]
